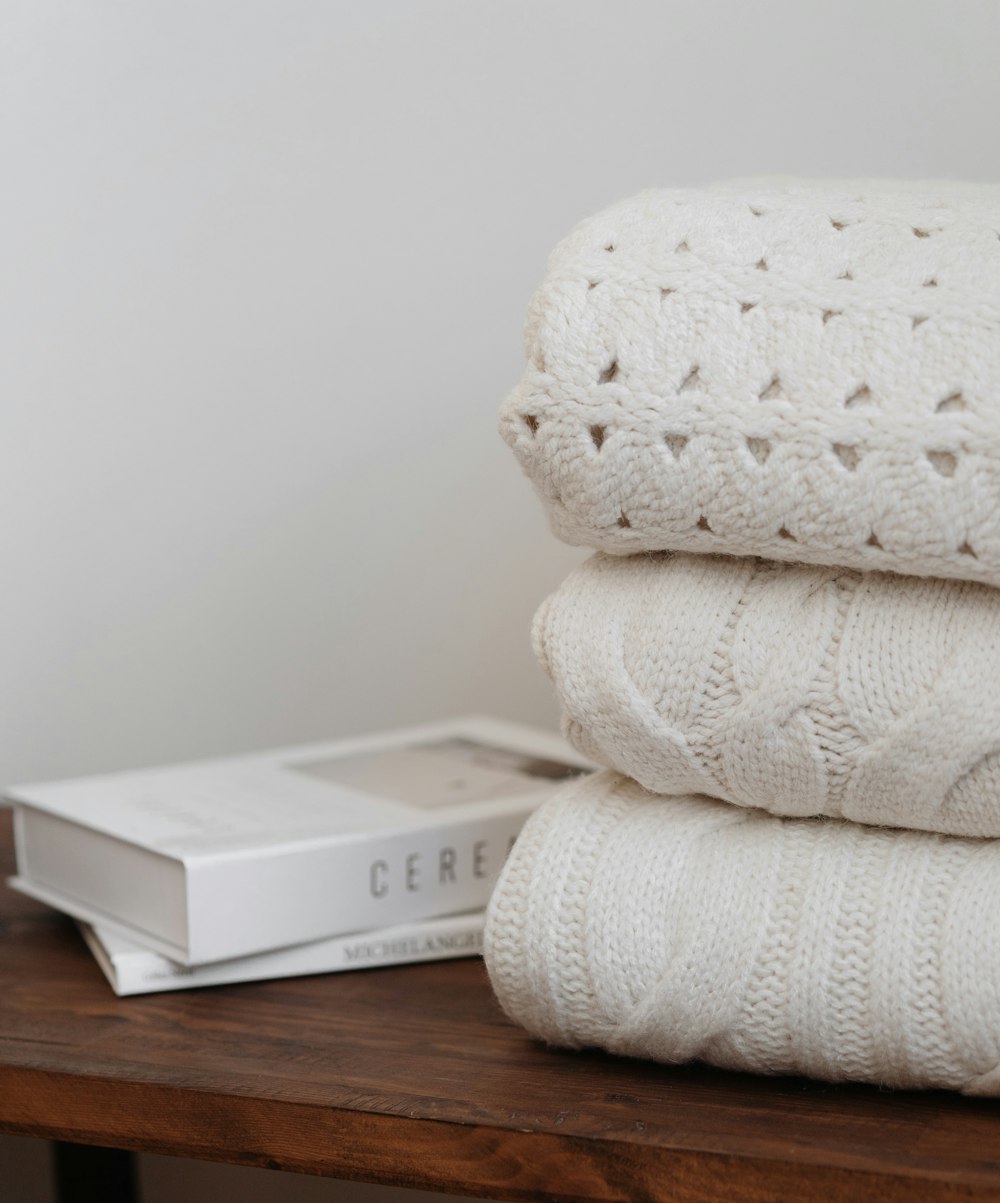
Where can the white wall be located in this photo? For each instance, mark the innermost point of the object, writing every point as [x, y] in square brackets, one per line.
[263, 272]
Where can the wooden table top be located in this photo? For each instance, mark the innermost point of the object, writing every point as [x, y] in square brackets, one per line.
[412, 1076]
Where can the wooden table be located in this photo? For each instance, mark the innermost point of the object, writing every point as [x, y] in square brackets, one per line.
[412, 1076]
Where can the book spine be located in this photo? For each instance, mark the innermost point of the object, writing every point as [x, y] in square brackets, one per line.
[379, 882]
[144, 972]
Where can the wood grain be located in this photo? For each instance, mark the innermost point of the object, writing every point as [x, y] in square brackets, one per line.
[412, 1076]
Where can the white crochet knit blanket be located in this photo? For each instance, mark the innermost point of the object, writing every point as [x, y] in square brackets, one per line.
[681, 928]
[802, 371]
[799, 689]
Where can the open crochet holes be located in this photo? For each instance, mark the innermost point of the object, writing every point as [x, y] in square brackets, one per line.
[943, 446]
[785, 533]
[760, 449]
[703, 524]
[943, 462]
[771, 391]
[847, 455]
[623, 521]
[951, 403]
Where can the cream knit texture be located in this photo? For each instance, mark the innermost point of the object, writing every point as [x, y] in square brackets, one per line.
[684, 928]
[803, 371]
[799, 689]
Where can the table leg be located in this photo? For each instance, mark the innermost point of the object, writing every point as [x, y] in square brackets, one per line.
[91, 1174]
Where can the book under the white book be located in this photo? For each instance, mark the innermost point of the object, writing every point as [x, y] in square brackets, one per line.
[229, 858]
[132, 969]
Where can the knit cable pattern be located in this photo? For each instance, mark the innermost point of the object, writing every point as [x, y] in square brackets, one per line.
[799, 689]
[679, 928]
[803, 371]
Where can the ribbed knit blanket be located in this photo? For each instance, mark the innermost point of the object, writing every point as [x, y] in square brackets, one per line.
[801, 371]
[799, 689]
[682, 928]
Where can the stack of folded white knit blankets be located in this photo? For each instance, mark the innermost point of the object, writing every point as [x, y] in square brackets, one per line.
[773, 408]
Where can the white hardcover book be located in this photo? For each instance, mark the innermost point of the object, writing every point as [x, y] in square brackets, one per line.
[227, 858]
[132, 969]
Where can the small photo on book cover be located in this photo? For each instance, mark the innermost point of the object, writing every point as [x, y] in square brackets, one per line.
[441, 772]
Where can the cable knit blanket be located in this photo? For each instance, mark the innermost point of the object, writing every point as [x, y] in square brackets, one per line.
[802, 371]
[682, 928]
[802, 690]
